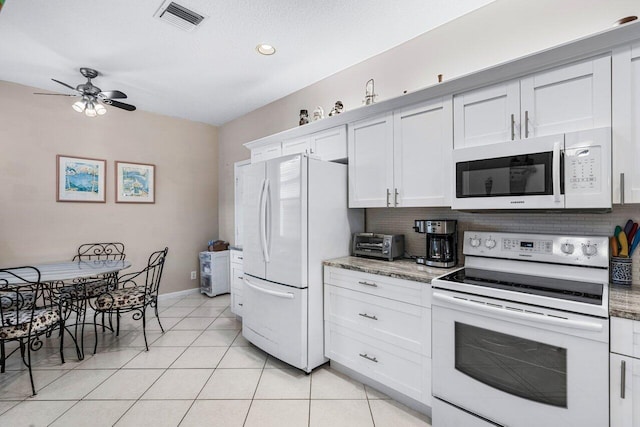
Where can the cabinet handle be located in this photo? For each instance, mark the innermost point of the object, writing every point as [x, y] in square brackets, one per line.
[367, 316]
[240, 304]
[623, 374]
[622, 188]
[526, 124]
[388, 194]
[368, 284]
[395, 197]
[513, 127]
[311, 150]
[366, 356]
[240, 277]
[240, 257]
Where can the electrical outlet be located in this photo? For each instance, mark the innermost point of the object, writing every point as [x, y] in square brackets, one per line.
[194, 275]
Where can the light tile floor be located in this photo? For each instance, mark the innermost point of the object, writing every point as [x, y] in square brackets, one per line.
[200, 372]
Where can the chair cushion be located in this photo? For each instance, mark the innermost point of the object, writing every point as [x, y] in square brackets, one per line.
[16, 326]
[121, 298]
[86, 290]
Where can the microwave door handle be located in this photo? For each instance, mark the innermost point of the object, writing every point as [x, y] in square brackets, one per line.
[556, 172]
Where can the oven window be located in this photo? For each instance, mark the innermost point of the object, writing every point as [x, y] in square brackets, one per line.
[517, 366]
[524, 175]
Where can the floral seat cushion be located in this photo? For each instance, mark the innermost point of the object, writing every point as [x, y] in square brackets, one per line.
[85, 290]
[121, 298]
[15, 324]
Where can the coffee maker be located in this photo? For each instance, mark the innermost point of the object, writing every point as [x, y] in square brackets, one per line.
[442, 242]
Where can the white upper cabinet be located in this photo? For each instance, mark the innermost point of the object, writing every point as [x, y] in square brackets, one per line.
[487, 115]
[565, 99]
[266, 152]
[370, 148]
[626, 124]
[402, 159]
[422, 144]
[328, 145]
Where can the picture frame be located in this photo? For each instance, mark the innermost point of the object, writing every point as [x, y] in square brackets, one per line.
[135, 182]
[80, 179]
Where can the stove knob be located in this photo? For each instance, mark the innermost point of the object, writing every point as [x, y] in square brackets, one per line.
[567, 248]
[475, 242]
[490, 243]
[589, 249]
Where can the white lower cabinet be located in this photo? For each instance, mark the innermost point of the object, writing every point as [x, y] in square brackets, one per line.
[235, 277]
[380, 327]
[624, 366]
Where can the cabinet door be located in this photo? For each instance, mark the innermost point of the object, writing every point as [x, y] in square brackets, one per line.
[266, 152]
[626, 126]
[487, 115]
[370, 147]
[297, 145]
[330, 144]
[567, 99]
[624, 391]
[422, 146]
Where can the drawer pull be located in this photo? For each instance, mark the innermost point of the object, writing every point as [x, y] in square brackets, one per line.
[367, 316]
[240, 257]
[623, 374]
[366, 356]
[240, 277]
[368, 284]
[240, 304]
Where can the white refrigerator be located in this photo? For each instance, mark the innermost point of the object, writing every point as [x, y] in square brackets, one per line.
[295, 216]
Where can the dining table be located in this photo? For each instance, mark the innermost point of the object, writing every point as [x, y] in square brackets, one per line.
[72, 277]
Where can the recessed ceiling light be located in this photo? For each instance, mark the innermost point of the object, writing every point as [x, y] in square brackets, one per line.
[624, 20]
[265, 49]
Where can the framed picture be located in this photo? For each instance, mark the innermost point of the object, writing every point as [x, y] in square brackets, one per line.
[80, 179]
[135, 182]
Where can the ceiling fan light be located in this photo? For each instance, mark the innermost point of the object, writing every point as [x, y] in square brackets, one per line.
[90, 111]
[79, 106]
[100, 109]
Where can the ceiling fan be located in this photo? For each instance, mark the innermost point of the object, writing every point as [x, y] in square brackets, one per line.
[92, 96]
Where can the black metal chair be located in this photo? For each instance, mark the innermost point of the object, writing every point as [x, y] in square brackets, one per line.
[27, 311]
[134, 293]
[75, 294]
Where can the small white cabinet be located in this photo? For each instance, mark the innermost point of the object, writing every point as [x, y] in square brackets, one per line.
[626, 124]
[624, 365]
[266, 152]
[328, 145]
[237, 285]
[402, 159]
[564, 99]
[380, 327]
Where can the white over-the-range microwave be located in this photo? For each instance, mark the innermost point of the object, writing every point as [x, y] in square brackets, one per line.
[565, 171]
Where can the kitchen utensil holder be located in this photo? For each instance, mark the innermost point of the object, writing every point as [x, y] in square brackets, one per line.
[620, 270]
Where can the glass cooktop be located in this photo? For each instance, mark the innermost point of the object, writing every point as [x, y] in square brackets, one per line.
[589, 293]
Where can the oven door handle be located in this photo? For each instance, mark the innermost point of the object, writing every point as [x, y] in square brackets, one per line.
[504, 312]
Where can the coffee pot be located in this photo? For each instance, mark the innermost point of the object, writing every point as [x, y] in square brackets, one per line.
[442, 242]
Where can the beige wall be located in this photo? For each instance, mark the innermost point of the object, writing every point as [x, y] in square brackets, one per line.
[498, 32]
[35, 228]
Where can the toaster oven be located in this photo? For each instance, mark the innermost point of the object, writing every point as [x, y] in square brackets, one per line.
[383, 246]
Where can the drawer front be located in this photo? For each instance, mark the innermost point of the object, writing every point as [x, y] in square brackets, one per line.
[416, 293]
[237, 304]
[625, 336]
[236, 275]
[236, 257]
[400, 324]
[404, 371]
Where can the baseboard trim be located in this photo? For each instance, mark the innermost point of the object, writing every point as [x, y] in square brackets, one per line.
[183, 293]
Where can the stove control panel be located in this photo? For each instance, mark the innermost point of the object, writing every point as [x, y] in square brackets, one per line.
[578, 250]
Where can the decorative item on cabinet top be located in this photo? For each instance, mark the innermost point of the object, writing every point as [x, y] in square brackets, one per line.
[304, 117]
[318, 113]
[337, 109]
[369, 94]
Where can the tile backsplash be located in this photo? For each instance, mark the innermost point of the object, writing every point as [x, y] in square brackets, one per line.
[400, 221]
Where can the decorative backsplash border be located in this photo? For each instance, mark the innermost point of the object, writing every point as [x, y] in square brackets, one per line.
[400, 221]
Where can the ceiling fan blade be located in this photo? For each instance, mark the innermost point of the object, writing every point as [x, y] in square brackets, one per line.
[112, 94]
[55, 94]
[122, 105]
[66, 85]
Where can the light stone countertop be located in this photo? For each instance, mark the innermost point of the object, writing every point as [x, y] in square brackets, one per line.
[401, 268]
[624, 301]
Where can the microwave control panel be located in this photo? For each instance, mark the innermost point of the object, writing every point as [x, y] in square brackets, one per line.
[582, 173]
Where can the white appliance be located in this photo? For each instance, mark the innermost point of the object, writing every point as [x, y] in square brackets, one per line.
[565, 171]
[295, 216]
[214, 273]
[521, 333]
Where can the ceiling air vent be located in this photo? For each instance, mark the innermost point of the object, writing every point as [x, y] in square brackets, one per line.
[179, 16]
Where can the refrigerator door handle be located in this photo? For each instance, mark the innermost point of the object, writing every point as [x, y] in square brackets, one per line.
[263, 220]
[287, 295]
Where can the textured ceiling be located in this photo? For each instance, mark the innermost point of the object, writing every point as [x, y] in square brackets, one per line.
[212, 74]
